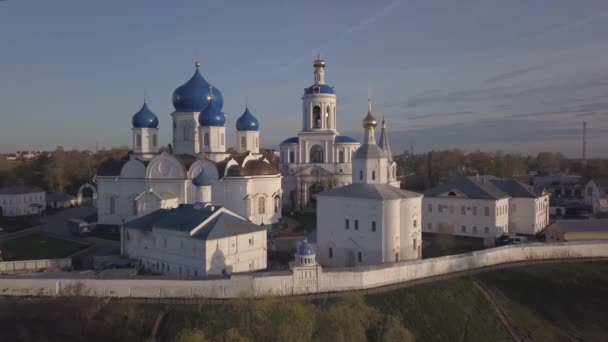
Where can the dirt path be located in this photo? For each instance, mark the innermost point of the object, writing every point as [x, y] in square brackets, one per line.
[502, 316]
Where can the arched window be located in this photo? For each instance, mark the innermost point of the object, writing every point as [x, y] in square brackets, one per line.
[341, 156]
[222, 139]
[112, 205]
[373, 175]
[292, 156]
[206, 139]
[243, 142]
[360, 175]
[327, 124]
[261, 205]
[257, 142]
[277, 203]
[134, 207]
[154, 140]
[186, 132]
[316, 154]
[138, 140]
[316, 117]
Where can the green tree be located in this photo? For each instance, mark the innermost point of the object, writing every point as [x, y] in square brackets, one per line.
[190, 335]
[394, 330]
[348, 319]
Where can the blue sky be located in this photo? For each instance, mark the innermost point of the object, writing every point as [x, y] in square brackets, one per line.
[509, 75]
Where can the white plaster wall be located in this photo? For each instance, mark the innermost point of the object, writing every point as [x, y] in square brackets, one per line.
[225, 194]
[332, 213]
[364, 169]
[236, 254]
[323, 101]
[410, 229]
[497, 221]
[147, 140]
[19, 204]
[282, 283]
[528, 215]
[252, 141]
[185, 133]
[217, 139]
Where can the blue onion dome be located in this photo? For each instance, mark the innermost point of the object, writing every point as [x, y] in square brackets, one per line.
[145, 118]
[212, 115]
[247, 122]
[193, 96]
[305, 249]
[203, 179]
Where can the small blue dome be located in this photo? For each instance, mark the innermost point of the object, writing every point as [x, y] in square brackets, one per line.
[212, 115]
[345, 140]
[319, 89]
[203, 179]
[305, 249]
[193, 96]
[292, 140]
[144, 118]
[247, 122]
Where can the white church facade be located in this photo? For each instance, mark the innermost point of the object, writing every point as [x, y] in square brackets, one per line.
[370, 221]
[241, 179]
[318, 158]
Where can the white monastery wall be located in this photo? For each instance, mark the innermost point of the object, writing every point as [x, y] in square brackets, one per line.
[282, 283]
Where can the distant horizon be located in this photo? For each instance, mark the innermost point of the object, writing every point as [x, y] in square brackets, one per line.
[480, 75]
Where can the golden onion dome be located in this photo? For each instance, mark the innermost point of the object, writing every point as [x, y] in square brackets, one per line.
[369, 120]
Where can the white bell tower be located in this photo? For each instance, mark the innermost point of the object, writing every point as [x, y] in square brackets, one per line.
[319, 102]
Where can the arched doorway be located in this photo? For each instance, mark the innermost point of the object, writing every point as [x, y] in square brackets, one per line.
[87, 195]
[316, 154]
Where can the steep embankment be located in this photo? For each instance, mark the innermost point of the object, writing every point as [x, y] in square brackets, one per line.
[557, 302]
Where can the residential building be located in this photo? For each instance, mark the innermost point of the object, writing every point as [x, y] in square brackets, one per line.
[576, 230]
[21, 200]
[368, 221]
[195, 240]
[60, 200]
[485, 207]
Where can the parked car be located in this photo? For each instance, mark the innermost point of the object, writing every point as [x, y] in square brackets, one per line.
[515, 240]
[78, 227]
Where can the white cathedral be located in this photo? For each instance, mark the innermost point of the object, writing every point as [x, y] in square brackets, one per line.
[199, 168]
[319, 158]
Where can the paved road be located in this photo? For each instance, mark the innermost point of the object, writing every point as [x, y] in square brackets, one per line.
[56, 224]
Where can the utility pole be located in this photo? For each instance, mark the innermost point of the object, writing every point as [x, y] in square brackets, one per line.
[584, 161]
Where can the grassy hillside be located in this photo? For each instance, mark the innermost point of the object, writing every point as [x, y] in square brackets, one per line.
[565, 302]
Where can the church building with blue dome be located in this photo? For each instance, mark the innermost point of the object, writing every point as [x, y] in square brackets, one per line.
[318, 157]
[198, 165]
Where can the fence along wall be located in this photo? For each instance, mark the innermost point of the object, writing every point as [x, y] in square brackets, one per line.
[34, 265]
[286, 283]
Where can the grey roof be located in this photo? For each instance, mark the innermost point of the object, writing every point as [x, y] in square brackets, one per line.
[19, 189]
[189, 216]
[369, 151]
[514, 188]
[383, 141]
[486, 187]
[59, 197]
[591, 225]
[371, 191]
[472, 187]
